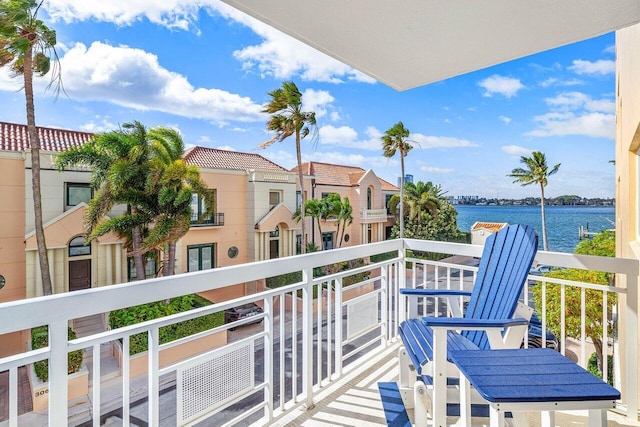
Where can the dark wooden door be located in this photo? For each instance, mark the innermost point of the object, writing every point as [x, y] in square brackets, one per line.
[79, 274]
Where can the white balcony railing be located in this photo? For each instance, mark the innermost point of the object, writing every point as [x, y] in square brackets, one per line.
[380, 214]
[314, 332]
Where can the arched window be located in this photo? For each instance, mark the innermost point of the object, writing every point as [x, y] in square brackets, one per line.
[369, 198]
[78, 248]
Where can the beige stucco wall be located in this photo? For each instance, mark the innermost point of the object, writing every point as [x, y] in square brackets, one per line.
[12, 220]
[12, 253]
[627, 146]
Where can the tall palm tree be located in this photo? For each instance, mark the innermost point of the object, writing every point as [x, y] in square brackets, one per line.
[27, 46]
[396, 139]
[535, 171]
[172, 183]
[287, 119]
[120, 166]
[345, 218]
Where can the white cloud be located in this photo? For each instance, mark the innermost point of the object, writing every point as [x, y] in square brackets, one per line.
[226, 147]
[351, 159]
[284, 158]
[504, 119]
[272, 57]
[204, 139]
[576, 113]
[600, 67]
[610, 49]
[427, 142]
[430, 169]
[516, 150]
[316, 100]
[548, 82]
[335, 116]
[133, 78]
[347, 137]
[102, 124]
[596, 125]
[500, 85]
[577, 100]
[552, 81]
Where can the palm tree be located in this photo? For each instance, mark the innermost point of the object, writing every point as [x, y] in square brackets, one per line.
[287, 118]
[345, 218]
[119, 161]
[172, 183]
[535, 171]
[396, 138]
[27, 46]
[423, 200]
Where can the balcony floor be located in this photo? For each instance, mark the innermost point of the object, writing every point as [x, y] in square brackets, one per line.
[355, 402]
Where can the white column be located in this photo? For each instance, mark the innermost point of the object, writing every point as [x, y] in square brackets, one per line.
[51, 254]
[108, 265]
[118, 256]
[37, 274]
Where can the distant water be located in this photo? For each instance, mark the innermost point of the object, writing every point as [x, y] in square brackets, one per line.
[563, 222]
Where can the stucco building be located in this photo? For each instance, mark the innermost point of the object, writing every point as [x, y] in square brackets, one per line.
[367, 193]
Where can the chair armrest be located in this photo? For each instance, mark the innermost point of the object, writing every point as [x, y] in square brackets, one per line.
[455, 323]
[434, 292]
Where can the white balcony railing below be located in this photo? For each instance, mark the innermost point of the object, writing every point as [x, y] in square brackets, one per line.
[313, 332]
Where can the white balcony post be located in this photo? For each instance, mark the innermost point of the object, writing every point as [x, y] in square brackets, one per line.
[385, 297]
[307, 336]
[631, 391]
[268, 356]
[339, 320]
[58, 394]
[153, 380]
[401, 282]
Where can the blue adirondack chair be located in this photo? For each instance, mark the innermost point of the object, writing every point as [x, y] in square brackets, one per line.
[493, 317]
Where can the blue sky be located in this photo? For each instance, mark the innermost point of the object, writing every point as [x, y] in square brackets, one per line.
[205, 69]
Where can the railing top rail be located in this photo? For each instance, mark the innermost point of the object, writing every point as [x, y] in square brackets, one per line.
[628, 266]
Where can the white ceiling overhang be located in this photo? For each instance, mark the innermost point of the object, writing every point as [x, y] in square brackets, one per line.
[409, 43]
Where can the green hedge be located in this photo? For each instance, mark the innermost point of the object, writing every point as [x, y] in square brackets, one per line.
[40, 339]
[592, 366]
[141, 313]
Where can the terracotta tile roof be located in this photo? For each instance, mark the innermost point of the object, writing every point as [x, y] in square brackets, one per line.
[15, 137]
[490, 226]
[213, 158]
[387, 186]
[340, 175]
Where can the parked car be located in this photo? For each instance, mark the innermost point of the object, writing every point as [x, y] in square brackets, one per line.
[542, 269]
[242, 312]
[535, 335]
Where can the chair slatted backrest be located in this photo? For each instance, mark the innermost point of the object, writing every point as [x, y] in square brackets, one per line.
[506, 260]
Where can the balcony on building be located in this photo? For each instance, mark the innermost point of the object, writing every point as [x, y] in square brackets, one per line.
[213, 220]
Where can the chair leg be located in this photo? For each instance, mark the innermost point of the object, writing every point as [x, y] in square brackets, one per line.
[407, 376]
[548, 419]
[422, 404]
[496, 417]
[597, 417]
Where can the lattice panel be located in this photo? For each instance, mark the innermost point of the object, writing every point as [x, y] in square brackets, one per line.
[209, 381]
[362, 314]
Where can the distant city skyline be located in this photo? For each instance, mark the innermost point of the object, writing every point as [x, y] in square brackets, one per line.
[205, 68]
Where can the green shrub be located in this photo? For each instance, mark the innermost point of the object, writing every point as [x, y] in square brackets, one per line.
[141, 313]
[592, 366]
[40, 339]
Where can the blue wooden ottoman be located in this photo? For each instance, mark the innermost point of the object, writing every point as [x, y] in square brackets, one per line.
[533, 380]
